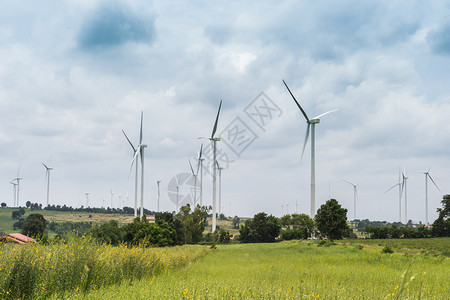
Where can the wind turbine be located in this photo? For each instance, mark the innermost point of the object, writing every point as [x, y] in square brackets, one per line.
[311, 127]
[427, 174]
[87, 199]
[14, 192]
[355, 196]
[47, 179]
[399, 184]
[195, 181]
[17, 179]
[136, 177]
[220, 187]
[214, 142]
[157, 183]
[139, 150]
[200, 165]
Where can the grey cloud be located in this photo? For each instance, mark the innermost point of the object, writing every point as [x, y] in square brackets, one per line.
[113, 25]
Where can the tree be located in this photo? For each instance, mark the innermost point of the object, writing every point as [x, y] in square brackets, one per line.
[331, 220]
[261, 229]
[302, 226]
[108, 232]
[236, 221]
[28, 204]
[34, 226]
[193, 223]
[3, 204]
[441, 227]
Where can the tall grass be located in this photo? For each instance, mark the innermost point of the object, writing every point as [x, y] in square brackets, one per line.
[36, 271]
[297, 271]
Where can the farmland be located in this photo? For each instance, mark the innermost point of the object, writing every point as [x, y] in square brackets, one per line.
[299, 270]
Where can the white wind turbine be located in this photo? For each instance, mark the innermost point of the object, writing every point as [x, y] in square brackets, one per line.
[399, 184]
[17, 179]
[355, 196]
[200, 165]
[14, 192]
[195, 182]
[427, 175]
[139, 150]
[214, 142]
[47, 179]
[311, 127]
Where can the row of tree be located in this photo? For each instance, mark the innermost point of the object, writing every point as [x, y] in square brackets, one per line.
[188, 225]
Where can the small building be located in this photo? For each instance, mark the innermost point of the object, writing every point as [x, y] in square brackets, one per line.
[17, 238]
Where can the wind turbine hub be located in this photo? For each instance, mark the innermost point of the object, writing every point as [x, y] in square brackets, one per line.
[314, 121]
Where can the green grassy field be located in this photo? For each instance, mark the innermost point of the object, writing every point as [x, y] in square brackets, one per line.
[298, 270]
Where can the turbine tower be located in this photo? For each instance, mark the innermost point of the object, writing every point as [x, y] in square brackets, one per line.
[311, 127]
[157, 183]
[200, 165]
[399, 184]
[87, 199]
[355, 196]
[47, 179]
[214, 144]
[406, 195]
[195, 181]
[220, 187]
[427, 175]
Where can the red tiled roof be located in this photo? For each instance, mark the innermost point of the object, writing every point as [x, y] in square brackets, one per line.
[18, 238]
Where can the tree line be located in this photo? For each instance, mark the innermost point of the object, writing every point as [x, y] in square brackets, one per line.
[188, 226]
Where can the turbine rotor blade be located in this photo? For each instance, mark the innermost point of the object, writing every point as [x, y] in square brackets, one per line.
[134, 149]
[298, 104]
[192, 170]
[217, 120]
[326, 113]
[349, 182]
[391, 188]
[201, 152]
[306, 141]
[434, 183]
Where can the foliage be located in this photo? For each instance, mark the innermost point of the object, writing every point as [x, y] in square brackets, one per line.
[193, 223]
[387, 249]
[18, 213]
[261, 229]
[331, 220]
[34, 226]
[394, 232]
[28, 204]
[65, 229]
[3, 204]
[299, 226]
[108, 233]
[141, 232]
[236, 221]
[441, 226]
[34, 271]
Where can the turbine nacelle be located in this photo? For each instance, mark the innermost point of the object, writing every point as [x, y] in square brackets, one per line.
[314, 121]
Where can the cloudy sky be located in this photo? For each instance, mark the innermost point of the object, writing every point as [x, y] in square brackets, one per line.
[74, 73]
